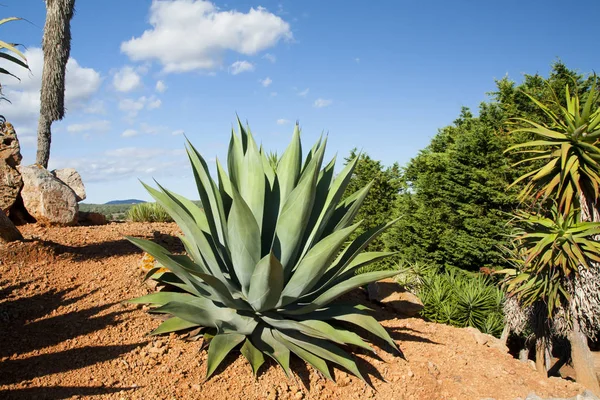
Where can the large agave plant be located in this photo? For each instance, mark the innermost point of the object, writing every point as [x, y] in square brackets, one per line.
[266, 256]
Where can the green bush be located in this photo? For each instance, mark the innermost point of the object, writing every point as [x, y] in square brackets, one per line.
[456, 297]
[148, 212]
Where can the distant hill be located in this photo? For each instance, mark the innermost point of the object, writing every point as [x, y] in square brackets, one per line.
[128, 201]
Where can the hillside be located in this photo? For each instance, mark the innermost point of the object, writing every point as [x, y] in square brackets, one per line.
[128, 201]
[67, 333]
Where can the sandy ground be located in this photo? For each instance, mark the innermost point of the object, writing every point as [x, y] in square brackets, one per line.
[65, 333]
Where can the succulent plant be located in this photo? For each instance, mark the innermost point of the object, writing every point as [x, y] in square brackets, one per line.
[266, 256]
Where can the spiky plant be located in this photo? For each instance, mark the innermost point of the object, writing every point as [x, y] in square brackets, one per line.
[266, 257]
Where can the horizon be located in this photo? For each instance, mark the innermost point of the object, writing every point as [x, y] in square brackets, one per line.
[383, 79]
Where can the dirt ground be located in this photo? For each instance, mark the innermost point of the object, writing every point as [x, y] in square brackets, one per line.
[65, 333]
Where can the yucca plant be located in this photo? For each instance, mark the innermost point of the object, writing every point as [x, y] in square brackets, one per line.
[551, 252]
[17, 57]
[266, 258]
[569, 148]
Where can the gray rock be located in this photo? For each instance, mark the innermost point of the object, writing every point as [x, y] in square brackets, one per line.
[486, 340]
[389, 293]
[46, 198]
[10, 158]
[71, 178]
[586, 395]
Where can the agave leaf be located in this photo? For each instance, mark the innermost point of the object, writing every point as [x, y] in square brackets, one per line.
[251, 186]
[173, 324]
[342, 336]
[235, 158]
[345, 213]
[273, 348]
[162, 298]
[266, 283]
[253, 355]
[224, 187]
[219, 347]
[288, 169]
[244, 240]
[318, 363]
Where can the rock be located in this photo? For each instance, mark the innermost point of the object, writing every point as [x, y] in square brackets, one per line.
[46, 198]
[10, 157]
[91, 218]
[389, 293]
[8, 231]
[72, 179]
[486, 340]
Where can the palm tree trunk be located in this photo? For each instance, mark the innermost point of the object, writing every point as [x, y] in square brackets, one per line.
[56, 45]
[541, 347]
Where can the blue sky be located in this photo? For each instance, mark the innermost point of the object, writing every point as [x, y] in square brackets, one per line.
[382, 76]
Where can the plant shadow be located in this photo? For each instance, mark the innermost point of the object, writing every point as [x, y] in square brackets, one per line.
[56, 392]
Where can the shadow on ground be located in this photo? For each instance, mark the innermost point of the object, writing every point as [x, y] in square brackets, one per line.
[56, 392]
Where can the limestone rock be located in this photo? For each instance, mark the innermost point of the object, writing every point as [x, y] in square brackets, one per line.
[71, 178]
[8, 231]
[486, 340]
[10, 158]
[389, 293]
[47, 199]
[91, 218]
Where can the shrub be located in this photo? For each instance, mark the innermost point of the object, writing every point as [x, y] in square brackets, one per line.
[148, 212]
[267, 257]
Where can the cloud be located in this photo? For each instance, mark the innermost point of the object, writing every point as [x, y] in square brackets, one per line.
[132, 107]
[161, 87]
[266, 82]
[189, 35]
[95, 107]
[129, 133]
[126, 162]
[283, 121]
[304, 92]
[126, 79]
[320, 103]
[153, 129]
[92, 126]
[81, 84]
[178, 132]
[241, 66]
[270, 57]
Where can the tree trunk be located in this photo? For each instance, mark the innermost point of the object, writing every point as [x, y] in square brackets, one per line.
[505, 334]
[8, 231]
[44, 139]
[524, 354]
[56, 45]
[540, 355]
[583, 363]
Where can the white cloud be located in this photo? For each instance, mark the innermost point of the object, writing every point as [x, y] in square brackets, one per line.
[129, 133]
[241, 66]
[320, 103]
[178, 132]
[126, 79]
[283, 121]
[153, 129]
[189, 35]
[132, 107]
[161, 87]
[266, 82]
[304, 92]
[81, 84]
[92, 126]
[272, 58]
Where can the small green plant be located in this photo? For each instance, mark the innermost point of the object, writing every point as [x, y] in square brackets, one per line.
[267, 257]
[148, 212]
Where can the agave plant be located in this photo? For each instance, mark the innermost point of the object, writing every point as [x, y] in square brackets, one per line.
[265, 258]
[569, 149]
[551, 252]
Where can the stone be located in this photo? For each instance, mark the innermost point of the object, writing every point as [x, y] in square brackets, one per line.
[48, 200]
[8, 231]
[486, 340]
[91, 218]
[10, 158]
[389, 293]
[71, 178]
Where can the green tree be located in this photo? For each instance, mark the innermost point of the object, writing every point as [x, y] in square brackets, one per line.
[378, 206]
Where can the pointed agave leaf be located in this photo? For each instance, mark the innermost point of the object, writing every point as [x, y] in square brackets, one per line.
[346, 212]
[253, 355]
[218, 349]
[288, 169]
[273, 348]
[251, 186]
[341, 335]
[173, 324]
[266, 283]
[224, 187]
[244, 240]
[318, 363]
[312, 267]
[162, 298]
[235, 159]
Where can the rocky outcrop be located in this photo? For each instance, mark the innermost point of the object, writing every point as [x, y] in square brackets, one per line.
[10, 158]
[71, 178]
[389, 293]
[46, 198]
[486, 340]
[8, 231]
